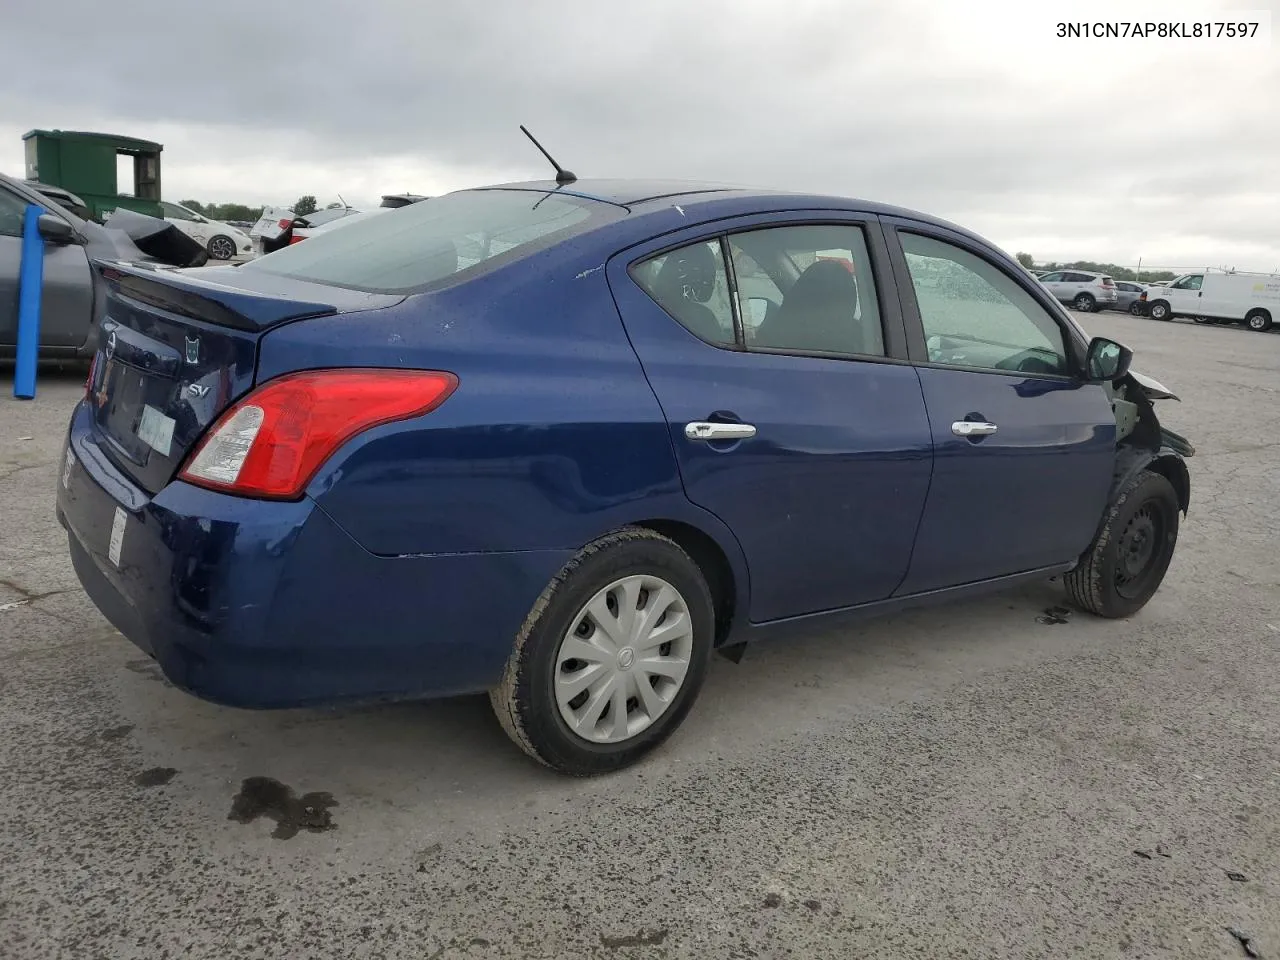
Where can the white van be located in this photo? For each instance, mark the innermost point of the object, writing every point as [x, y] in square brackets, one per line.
[1224, 295]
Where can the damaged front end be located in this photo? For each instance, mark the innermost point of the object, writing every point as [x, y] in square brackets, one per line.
[1141, 442]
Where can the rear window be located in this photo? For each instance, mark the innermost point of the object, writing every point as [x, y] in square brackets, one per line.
[427, 243]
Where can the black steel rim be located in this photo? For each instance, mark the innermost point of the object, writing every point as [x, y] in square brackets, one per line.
[1142, 549]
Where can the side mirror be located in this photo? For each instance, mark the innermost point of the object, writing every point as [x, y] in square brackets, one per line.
[54, 229]
[1107, 360]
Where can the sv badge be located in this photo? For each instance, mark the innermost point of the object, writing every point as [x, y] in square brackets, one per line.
[198, 389]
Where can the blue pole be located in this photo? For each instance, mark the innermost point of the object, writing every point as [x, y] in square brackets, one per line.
[30, 285]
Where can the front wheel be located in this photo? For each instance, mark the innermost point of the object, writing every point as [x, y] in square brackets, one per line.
[611, 657]
[1135, 309]
[1160, 311]
[1126, 563]
[221, 248]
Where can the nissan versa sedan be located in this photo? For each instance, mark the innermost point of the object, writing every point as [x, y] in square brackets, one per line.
[562, 442]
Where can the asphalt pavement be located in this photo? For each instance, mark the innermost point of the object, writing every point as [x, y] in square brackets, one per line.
[970, 781]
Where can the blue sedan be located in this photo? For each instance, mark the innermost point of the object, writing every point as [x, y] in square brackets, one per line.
[560, 442]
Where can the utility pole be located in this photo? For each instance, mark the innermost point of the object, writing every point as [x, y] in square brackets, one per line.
[1139, 270]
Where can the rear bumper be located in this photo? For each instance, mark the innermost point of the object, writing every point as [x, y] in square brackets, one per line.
[257, 604]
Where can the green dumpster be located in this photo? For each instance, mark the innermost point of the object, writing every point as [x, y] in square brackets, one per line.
[85, 164]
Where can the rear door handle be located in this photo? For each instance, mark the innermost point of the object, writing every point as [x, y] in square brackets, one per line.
[700, 430]
[973, 428]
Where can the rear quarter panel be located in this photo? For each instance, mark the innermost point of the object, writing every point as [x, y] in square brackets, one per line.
[552, 438]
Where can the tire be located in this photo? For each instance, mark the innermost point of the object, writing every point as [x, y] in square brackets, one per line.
[526, 701]
[1085, 303]
[1160, 311]
[1135, 309]
[221, 247]
[1258, 321]
[1105, 582]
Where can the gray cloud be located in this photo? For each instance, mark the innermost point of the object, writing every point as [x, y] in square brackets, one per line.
[977, 115]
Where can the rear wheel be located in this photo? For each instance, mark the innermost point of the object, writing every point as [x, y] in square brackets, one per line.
[1258, 320]
[1160, 311]
[611, 657]
[1085, 303]
[221, 247]
[1127, 561]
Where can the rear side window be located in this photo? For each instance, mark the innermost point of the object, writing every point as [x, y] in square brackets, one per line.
[808, 289]
[427, 243]
[692, 285]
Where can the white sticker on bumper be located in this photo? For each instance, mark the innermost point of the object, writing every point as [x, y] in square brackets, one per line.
[66, 469]
[117, 536]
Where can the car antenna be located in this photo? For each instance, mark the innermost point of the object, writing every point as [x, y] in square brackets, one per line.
[563, 176]
[345, 206]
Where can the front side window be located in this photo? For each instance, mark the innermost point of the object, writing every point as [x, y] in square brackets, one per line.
[808, 289]
[428, 243]
[975, 315]
[692, 285]
[1190, 283]
[1051, 278]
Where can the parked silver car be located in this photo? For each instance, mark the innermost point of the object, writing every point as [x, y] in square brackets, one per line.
[1130, 297]
[1084, 291]
[72, 298]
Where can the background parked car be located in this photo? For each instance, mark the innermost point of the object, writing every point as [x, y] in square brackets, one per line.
[1086, 292]
[222, 240]
[73, 296]
[1131, 297]
[278, 227]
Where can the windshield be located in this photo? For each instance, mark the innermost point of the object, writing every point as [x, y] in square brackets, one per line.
[413, 247]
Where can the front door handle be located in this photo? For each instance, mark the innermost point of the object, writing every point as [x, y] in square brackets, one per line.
[973, 428]
[700, 430]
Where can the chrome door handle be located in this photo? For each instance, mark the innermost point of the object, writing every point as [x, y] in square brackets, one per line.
[718, 431]
[973, 428]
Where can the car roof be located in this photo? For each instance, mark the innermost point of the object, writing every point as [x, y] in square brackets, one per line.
[645, 196]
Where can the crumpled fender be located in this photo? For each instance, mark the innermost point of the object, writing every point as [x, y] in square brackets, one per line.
[1151, 446]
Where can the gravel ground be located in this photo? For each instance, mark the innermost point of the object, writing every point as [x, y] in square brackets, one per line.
[963, 782]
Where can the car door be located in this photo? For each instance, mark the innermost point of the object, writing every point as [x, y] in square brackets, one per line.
[67, 289]
[1023, 446]
[186, 221]
[1183, 295]
[808, 436]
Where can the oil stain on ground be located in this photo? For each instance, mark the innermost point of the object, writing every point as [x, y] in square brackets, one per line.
[264, 797]
[155, 777]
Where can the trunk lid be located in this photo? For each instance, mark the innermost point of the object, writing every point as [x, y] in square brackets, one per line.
[177, 347]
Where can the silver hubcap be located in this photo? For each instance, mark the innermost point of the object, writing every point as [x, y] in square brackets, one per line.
[221, 249]
[1256, 321]
[624, 659]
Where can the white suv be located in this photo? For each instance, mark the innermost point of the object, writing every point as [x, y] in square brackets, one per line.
[1086, 292]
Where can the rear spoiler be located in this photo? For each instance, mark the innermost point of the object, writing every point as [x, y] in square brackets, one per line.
[180, 292]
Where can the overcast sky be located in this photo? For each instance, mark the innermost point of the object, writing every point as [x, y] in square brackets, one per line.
[1066, 148]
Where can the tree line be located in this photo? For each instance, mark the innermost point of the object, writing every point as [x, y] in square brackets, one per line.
[244, 213]
[1113, 270]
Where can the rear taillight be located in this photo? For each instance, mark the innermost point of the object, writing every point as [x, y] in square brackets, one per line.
[285, 224]
[1142, 295]
[294, 238]
[271, 443]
